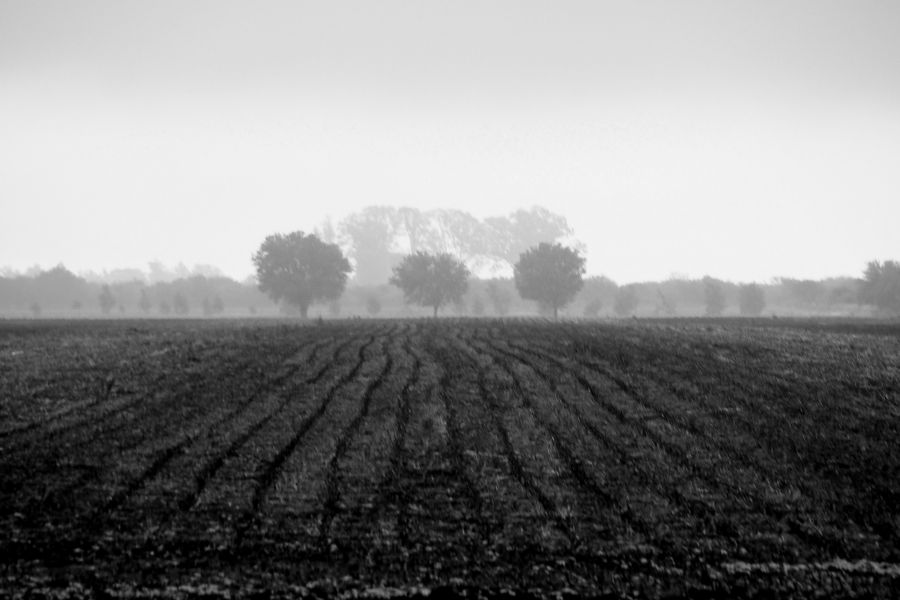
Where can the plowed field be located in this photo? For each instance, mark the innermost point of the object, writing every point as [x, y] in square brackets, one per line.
[477, 457]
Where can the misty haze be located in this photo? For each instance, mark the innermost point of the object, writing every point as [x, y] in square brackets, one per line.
[449, 299]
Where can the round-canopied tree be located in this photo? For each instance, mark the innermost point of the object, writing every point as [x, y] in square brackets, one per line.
[300, 269]
[550, 274]
[431, 280]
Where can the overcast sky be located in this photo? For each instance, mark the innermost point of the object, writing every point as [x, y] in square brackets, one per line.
[742, 139]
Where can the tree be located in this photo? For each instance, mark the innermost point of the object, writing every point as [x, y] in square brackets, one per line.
[300, 269]
[58, 287]
[751, 299]
[881, 285]
[714, 296]
[625, 301]
[107, 300]
[431, 280]
[549, 274]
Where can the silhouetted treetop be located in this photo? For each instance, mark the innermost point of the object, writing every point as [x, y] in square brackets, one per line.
[881, 285]
[431, 280]
[300, 269]
[549, 274]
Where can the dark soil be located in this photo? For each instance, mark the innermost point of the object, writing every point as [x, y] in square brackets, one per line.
[450, 458]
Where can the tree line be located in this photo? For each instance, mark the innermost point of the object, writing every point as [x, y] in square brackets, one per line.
[58, 291]
[301, 269]
[440, 259]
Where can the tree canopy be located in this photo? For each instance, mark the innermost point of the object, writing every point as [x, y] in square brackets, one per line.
[549, 274]
[300, 269]
[881, 285]
[431, 280]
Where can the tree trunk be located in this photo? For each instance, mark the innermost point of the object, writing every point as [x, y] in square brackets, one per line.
[435, 311]
[304, 310]
[555, 313]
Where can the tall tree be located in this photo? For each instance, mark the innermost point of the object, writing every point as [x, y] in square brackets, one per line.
[549, 274]
[431, 280]
[300, 269]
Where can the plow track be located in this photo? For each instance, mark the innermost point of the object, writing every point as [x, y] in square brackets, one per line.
[475, 456]
[745, 475]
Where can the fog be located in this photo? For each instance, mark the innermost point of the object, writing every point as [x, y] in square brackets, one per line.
[742, 140]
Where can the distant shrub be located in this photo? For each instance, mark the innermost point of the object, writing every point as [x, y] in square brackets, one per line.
[714, 297]
[180, 304]
[626, 301]
[213, 307]
[592, 308]
[373, 305]
[751, 300]
[107, 300]
[144, 303]
[334, 308]
[500, 297]
[478, 306]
